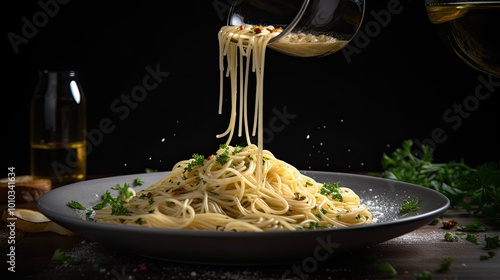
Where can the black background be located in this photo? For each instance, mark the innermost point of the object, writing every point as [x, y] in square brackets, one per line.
[347, 110]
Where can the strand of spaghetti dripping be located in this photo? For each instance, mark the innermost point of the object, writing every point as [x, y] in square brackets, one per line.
[227, 51]
[260, 56]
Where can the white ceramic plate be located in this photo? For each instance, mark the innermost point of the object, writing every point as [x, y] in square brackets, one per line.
[383, 197]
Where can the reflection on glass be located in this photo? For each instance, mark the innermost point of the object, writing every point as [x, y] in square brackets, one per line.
[471, 29]
[311, 28]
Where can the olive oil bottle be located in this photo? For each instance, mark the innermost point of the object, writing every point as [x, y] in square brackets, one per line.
[58, 128]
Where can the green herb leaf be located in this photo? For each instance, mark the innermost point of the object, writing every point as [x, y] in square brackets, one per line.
[138, 182]
[473, 226]
[424, 275]
[492, 242]
[332, 189]
[410, 206]
[223, 157]
[450, 237]
[198, 160]
[445, 264]
[472, 238]
[476, 190]
[75, 205]
[116, 203]
[387, 268]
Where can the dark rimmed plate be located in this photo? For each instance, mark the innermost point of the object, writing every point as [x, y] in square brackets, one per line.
[383, 197]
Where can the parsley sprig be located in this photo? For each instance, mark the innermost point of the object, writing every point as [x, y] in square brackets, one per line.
[410, 206]
[198, 160]
[223, 157]
[332, 189]
[115, 202]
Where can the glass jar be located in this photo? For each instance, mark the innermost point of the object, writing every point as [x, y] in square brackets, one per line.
[311, 28]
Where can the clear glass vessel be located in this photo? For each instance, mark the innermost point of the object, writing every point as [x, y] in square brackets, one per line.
[311, 28]
[471, 29]
[58, 128]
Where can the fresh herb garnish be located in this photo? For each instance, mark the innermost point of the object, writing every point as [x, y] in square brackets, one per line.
[238, 149]
[197, 160]
[332, 189]
[492, 242]
[223, 157]
[124, 191]
[76, 205]
[138, 182]
[450, 237]
[476, 190]
[473, 226]
[116, 203]
[435, 221]
[410, 206]
[445, 264]
[387, 268]
[424, 275]
[472, 238]
[314, 225]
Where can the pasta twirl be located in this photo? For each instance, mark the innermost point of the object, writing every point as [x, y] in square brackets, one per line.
[222, 192]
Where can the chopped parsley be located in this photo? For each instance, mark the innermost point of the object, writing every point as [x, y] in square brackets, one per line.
[473, 226]
[410, 206]
[76, 205]
[116, 203]
[124, 190]
[332, 189]
[387, 268]
[492, 242]
[445, 264]
[138, 182]
[197, 160]
[472, 238]
[435, 221]
[424, 275]
[223, 157]
[314, 225]
[238, 149]
[450, 237]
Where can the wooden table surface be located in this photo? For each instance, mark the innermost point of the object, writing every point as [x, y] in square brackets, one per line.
[411, 256]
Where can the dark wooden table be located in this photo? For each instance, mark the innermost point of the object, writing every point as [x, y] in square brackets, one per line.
[416, 253]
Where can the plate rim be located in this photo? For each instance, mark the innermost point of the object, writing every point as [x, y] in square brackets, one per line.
[401, 220]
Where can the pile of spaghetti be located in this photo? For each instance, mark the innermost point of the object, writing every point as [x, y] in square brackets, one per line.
[220, 192]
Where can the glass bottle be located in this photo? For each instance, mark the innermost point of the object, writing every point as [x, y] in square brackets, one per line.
[58, 128]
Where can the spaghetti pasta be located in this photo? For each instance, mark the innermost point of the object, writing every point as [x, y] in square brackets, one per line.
[241, 188]
[222, 192]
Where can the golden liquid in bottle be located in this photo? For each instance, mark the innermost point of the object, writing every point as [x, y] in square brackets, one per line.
[62, 163]
[57, 128]
[471, 30]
